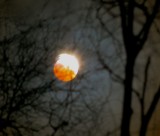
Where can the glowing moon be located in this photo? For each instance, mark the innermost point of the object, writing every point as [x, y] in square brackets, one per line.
[66, 67]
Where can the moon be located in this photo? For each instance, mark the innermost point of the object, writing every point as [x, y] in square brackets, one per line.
[66, 67]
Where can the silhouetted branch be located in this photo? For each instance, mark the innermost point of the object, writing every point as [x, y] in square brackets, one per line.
[144, 86]
[153, 105]
[143, 34]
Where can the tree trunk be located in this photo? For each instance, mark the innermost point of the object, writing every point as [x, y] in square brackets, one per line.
[143, 128]
[127, 110]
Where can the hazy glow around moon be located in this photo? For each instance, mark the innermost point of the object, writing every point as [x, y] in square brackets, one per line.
[66, 67]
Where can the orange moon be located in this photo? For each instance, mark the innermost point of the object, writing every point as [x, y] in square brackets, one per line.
[66, 67]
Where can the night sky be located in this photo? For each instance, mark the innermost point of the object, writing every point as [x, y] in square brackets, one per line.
[34, 102]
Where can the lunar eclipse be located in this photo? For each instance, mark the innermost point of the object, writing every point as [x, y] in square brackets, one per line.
[66, 67]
